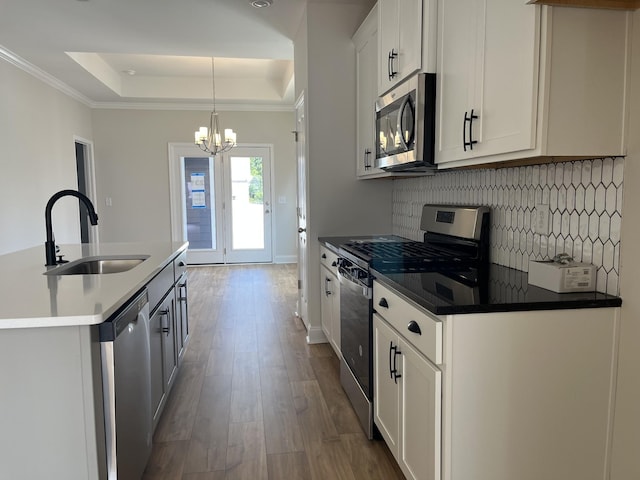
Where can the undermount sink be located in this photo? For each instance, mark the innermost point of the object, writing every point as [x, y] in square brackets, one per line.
[99, 265]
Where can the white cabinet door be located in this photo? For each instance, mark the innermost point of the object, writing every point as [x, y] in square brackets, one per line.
[409, 37]
[366, 43]
[386, 392]
[420, 416]
[330, 307]
[335, 316]
[400, 41]
[326, 307]
[488, 68]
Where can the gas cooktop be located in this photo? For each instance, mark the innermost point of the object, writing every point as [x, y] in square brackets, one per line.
[456, 239]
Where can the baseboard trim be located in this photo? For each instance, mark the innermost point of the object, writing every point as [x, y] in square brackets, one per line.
[316, 335]
[285, 259]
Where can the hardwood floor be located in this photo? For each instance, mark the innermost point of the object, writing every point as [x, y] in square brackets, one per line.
[253, 400]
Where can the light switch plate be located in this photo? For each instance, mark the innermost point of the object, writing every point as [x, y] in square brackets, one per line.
[541, 220]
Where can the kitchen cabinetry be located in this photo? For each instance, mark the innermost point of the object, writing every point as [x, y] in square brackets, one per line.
[538, 384]
[330, 297]
[407, 389]
[400, 41]
[182, 311]
[365, 41]
[518, 81]
[168, 330]
[366, 44]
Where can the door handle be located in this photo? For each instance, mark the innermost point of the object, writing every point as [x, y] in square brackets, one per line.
[301, 230]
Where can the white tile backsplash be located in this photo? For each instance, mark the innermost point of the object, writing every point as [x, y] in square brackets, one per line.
[584, 198]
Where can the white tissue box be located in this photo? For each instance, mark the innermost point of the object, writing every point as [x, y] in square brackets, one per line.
[563, 277]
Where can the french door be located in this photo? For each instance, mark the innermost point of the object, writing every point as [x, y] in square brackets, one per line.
[222, 204]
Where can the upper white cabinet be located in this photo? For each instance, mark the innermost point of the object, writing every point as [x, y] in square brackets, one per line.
[517, 81]
[366, 44]
[402, 42]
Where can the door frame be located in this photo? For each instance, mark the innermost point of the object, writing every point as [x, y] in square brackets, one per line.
[176, 150]
[268, 203]
[90, 179]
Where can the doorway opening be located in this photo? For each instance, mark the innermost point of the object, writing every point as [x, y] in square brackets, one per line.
[222, 204]
[85, 173]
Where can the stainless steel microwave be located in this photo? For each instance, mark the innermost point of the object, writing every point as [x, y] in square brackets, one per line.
[405, 125]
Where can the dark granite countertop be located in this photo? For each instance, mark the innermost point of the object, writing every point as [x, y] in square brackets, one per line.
[502, 289]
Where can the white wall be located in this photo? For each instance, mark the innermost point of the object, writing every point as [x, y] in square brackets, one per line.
[37, 158]
[132, 168]
[626, 439]
[338, 203]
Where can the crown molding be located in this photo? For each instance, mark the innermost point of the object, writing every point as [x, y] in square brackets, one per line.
[236, 107]
[15, 60]
[10, 57]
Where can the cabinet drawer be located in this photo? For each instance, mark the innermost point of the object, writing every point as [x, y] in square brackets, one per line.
[329, 259]
[180, 265]
[159, 286]
[400, 314]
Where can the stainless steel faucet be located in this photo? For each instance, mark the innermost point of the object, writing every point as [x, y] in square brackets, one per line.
[50, 244]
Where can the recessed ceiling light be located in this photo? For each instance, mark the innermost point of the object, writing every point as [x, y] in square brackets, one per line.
[129, 72]
[261, 3]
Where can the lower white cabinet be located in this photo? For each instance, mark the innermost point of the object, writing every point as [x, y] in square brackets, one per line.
[407, 403]
[330, 307]
[525, 395]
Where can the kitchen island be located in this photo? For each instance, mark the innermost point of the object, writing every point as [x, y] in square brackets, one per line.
[51, 402]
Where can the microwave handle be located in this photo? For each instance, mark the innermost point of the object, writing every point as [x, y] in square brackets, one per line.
[406, 103]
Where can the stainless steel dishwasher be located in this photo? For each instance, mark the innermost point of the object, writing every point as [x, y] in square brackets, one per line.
[126, 386]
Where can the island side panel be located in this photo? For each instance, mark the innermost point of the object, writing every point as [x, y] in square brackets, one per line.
[529, 395]
[48, 404]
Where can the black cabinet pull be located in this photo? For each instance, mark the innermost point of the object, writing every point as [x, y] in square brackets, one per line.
[468, 119]
[367, 163]
[396, 375]
[334, 264]
[414, 327]
[392, 55]
[391, 357]
[181, 264]
[324, 255]
[383, 303]
[327, 291]
[164, 314]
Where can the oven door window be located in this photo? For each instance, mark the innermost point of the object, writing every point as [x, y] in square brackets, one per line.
[395, 125]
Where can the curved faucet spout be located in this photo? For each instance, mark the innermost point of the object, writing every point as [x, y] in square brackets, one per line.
[50, 245]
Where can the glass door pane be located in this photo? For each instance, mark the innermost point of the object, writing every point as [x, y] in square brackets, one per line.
[249, 216]
[199, 207]
[247, 201]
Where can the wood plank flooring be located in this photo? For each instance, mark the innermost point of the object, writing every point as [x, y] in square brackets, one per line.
[252, 399]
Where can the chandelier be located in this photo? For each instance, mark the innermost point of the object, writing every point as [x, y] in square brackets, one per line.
[210, 139]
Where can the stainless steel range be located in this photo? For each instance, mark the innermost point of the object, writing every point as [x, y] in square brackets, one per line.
[455, 247]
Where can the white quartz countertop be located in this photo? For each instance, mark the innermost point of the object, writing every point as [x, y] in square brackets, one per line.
[29, 299]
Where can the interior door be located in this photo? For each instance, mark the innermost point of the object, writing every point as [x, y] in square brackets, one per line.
[247, 186]
[302, 211]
